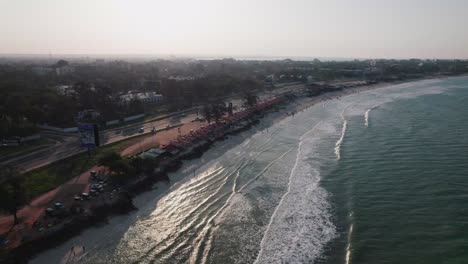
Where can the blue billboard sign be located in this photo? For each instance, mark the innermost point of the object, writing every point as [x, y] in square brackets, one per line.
[89, 135]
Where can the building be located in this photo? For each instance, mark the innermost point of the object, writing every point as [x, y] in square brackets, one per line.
[90, 114]
[153, 153]
[145, 97]
[66, 90]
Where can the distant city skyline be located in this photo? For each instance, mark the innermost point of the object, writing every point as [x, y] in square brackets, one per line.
[241, 29]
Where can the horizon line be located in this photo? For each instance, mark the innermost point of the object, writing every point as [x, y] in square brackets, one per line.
[218, 56]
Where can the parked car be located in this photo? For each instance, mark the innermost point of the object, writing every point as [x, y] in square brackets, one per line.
[49, 211]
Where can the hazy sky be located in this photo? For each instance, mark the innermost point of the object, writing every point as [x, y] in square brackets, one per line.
[312, 28]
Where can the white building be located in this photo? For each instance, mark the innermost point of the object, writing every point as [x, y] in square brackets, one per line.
[90, 114]
[67, 90]
[146, 97]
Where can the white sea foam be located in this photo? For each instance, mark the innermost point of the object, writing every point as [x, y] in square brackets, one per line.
[350, 234]
[348, 247]
[366, 117]
[300, 225]
[340, 141]
[343, 132]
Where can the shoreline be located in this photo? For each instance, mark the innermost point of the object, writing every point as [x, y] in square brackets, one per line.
[139, 187]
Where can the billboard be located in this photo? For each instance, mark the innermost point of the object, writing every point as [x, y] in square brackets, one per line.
[89, 135]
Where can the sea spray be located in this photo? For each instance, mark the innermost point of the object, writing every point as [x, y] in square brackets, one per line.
[303, 201]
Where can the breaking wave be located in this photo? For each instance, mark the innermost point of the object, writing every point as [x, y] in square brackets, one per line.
[300, 226]
[366, 117]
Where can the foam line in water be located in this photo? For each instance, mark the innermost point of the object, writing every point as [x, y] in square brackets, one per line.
[204, 232]
[264, 170]
[273, 216]
[366, 117]
[340, 141]
[366, 114]
[348, 247]
[343, 132]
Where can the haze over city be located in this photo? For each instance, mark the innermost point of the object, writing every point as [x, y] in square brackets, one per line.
[296, 28]
[233, 132]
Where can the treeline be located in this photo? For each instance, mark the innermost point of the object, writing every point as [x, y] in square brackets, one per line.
[28, 98]
[24, 104]
[209, 89]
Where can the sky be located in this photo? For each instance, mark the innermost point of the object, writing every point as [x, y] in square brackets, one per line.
[288, 28]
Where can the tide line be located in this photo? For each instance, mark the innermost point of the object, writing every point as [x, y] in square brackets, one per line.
[343, 132]
[273, 216]
[366, 117]
[348, 247]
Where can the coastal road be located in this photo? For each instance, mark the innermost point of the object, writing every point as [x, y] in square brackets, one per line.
[68, 145]
[64, 146]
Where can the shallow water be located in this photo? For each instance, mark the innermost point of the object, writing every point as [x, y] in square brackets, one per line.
[375, 177]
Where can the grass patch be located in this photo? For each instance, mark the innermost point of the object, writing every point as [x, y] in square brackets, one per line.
[47, 178]
[44, 179]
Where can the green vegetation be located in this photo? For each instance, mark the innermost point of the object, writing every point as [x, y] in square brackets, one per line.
[28, 98]
[118, 166]
[250, 99]
[215, 110]
[12, 192]
[47, 178]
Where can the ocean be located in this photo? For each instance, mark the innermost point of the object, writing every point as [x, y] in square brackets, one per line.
[374, 177]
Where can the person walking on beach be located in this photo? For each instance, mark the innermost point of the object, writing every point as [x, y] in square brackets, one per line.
[73, 250]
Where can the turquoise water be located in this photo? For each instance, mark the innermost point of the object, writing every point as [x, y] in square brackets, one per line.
[402, 181]
[375, 177]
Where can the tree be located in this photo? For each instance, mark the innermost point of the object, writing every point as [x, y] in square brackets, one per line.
[115, 163]
[109, 157]
[12, 192]
[61, 63]
[207, 113]
[120, 167]
[217, 110]
[5, 125]
[135, 106]
[250, 99]
[137, 164]
[230, 108]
